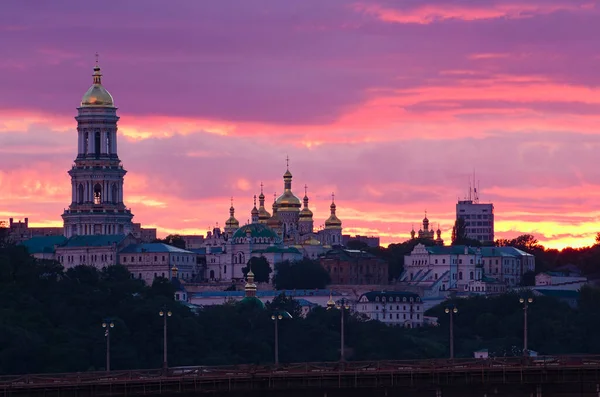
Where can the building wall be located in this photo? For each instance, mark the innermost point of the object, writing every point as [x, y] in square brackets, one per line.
[362, 269]
[407, 314]
[479, 219]
[20, 231]
[149, 265]
[98, 257]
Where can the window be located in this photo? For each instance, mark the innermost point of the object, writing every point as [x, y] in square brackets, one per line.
[163, 274]
[155, 258]
[124, 259]
[163, 258]
[225, 269]
[460, 275]
[443, 261]
[471, 276]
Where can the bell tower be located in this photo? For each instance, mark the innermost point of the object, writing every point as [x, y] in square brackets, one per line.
[97, 175]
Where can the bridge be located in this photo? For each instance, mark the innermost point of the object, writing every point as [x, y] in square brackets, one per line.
[534, 376]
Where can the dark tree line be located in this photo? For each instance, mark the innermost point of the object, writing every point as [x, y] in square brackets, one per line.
[51, 322]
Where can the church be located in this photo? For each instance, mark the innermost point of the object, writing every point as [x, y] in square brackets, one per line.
[285, 234]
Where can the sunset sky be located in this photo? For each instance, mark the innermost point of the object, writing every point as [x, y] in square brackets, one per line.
[390, 104]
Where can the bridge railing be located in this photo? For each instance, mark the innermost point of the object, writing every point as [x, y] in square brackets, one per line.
[302, 369]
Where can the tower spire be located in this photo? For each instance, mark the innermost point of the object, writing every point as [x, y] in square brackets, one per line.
[287, 162]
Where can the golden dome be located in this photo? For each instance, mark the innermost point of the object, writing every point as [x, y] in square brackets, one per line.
[333, 222]
[288, 201]
[97, 95]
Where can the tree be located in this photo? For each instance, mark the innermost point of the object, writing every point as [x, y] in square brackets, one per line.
[260, 267]
[287, 303]
[173, 239]
[459, 232]
[303, 274]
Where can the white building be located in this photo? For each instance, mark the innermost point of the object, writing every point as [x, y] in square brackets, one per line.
[440, 269]
[98, 251]
[392, 307]
[149, 261]
[558, 279]
[478, 218]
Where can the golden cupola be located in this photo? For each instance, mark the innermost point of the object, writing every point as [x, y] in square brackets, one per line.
[263, 214]
[97, 95]
[232, 223]
[306, 213]
[274, 222]
[288, 201]
[333, 222]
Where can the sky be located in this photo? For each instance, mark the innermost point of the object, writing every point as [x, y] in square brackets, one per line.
[392, 105]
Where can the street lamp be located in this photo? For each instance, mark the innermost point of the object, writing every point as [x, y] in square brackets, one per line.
[451, 310]
[107, 324]
[525, 302]
[164, 314]
[276, 317]
[343, 305]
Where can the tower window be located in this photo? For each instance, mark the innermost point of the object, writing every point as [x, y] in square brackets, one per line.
[97, 144]
[108, 143]
[80, 194]
[97, 194]
[114, 193]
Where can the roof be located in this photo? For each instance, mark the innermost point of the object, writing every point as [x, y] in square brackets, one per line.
[267, 293]
[558, 293]
[256, 230]
[98, 240]
[304, 302]
[372, 295]
[202, 250]
[279, 250]
[346, 254]
[153, 247]
[485, 251]
[43, 244]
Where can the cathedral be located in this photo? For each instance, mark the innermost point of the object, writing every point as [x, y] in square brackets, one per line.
[427, 234]
[287, 233]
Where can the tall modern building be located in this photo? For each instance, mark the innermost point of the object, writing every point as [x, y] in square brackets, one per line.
[97, 176]
[478, 217]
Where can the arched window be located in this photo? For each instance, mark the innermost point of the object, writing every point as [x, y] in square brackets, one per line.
[212, 274]
[97, 143]
[224, 269]
[97, 194]
[108, 143]
[471, 276]
[86, 139]
[113, 193]
[80, 194]
[460, 275]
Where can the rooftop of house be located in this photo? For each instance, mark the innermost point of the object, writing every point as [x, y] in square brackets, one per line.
[98, 240]
[390, 296]
[153, 248]
[43, 244]
[265, 293]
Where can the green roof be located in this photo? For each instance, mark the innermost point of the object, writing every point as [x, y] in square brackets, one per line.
[559, 293]
[485, 251]
[99, 240]
[153, 247]
[256, 230]
[252, 301]
[43, 244]
[278, 250]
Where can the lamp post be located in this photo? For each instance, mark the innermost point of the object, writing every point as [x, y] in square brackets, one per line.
[164, 313]
[525, 302]
[343, 305]
[451, 310]
[276, 317]
[107, 324]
